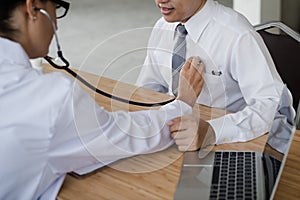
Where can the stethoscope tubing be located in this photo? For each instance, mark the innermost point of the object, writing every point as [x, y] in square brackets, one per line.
[90, 86]
[86, 83]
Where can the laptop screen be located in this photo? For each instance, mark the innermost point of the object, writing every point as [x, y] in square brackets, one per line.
[272, 162]
[275, 152]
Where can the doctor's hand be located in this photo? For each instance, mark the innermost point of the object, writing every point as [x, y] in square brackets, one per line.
[191, 81]
[191, 133]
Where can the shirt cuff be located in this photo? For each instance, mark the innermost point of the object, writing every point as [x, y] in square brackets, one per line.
[225, 130]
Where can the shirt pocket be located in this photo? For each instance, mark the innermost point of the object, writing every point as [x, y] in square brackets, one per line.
[213, 93]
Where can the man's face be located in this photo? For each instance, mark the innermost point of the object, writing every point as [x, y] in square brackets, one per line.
[179, 10]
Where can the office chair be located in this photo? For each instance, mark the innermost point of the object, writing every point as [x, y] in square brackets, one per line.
[284, 48]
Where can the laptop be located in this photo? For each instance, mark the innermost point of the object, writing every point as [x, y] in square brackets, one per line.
[235, 174]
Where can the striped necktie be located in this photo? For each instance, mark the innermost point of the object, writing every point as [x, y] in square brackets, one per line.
[178, 58]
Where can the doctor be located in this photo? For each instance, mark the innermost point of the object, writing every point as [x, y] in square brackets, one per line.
[50, 126]
[239, 73]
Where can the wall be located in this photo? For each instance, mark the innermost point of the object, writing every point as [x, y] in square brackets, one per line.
[228, 3]
[291, 13]
[260, 11]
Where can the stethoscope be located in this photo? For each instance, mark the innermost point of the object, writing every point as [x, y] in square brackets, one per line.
[66, 65]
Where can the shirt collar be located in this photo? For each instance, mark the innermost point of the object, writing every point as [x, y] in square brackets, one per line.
[197, 23]
[13, 53]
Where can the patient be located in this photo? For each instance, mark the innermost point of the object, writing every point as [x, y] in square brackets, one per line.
[239, 73]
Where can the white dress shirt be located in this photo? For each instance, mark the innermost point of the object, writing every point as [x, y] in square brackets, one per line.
[50, 126]
[239, 75]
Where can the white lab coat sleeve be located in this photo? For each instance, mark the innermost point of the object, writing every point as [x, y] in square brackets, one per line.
[252, 67]
[87, 135]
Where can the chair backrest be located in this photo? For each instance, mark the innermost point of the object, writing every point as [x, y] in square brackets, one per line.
[284, 48]
[285, 51]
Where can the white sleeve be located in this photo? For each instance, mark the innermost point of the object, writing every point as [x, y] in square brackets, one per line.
[150, 76]
[253, 69]
[86, 134]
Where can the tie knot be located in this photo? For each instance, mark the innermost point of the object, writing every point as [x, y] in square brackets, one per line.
[181, 29]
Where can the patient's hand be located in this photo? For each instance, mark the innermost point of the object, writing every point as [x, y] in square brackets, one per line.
[191, 133]
[191, 81]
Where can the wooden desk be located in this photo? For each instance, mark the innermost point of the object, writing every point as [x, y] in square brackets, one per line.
[289, 184]
[155, 176]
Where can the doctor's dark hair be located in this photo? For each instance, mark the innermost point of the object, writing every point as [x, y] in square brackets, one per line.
[7, 8]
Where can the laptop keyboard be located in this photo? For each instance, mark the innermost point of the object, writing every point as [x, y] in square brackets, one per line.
[234, 176]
